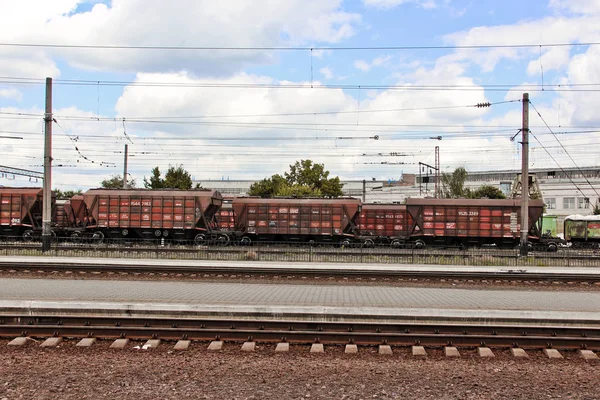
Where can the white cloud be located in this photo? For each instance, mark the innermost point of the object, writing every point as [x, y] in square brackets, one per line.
[362, 65]
[260, 23]
[11, 94]
[326, 72]
[386, 4]
[366, 66]
[588, 7]
[552, 59]
[541, 31]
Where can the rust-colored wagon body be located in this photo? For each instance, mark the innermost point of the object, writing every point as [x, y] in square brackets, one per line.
[21, 211]
[385, 223]
[465, 221]
[146, 213]
[285, 219]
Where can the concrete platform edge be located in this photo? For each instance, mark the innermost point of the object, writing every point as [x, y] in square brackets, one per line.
[29, 307]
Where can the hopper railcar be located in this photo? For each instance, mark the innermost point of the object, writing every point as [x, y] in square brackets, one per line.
[142, 214]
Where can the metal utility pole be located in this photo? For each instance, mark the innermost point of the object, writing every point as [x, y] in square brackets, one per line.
[437, 172]
[525, 176]
[125, 169]
[364, 190]
[47, 199]
[421, 164]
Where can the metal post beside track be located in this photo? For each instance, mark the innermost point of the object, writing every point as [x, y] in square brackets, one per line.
[47, 192]
[525, 177]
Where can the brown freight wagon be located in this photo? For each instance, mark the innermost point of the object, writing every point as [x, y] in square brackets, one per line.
[139, 213]
[384, 223]
[70, 217]
[21, 211]
[296, 220]
[471, 222]
[225, 216]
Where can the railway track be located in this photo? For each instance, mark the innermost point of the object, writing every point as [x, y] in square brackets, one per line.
[298, 332]
[255, 269]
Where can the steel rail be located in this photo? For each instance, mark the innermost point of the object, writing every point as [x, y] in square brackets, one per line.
[399, 334]
[511, 273]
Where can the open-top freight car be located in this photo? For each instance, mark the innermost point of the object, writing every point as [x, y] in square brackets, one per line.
[21, 212]
[295, 220]
[583, 230]
[470, 222]
[140, 213]
[384, 224]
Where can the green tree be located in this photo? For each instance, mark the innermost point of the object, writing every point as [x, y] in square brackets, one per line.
[487, 191]
[155, 181]
[596, 209]
[268, 187]
[67, 194]
[116, 182]
[175, 178]
[453, 185]
[304, 179]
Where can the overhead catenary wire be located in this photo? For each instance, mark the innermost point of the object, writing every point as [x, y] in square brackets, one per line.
[566, 87]
[557, 164]
[74, 140]
[298, 48]
[565, 150]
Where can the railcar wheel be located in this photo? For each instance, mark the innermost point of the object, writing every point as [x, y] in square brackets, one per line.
[124, 232]
[419, 244]
[245, 241]
[223, 240]
[345, 243]
[200, 239]
[28, 235]
[552, 247]
[396, 244]
[98, 237]
[157, 233]
[369, 243]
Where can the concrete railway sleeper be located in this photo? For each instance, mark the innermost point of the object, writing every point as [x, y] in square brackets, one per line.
[338, 333]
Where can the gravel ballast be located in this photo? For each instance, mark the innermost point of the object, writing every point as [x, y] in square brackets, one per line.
[68, 372]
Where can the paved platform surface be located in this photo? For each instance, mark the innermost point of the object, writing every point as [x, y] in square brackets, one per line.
[6, 261]
[275, 298]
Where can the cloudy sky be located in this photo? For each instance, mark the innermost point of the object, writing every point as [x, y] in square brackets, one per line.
[240, 89]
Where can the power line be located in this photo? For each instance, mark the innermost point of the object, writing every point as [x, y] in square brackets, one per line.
[563, 147]
[74, 140]
[558, 165]
[282, 48]
[569, 87]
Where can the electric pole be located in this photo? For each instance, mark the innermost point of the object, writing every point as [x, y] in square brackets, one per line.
[364, 191]
[47, 193]
[125, 169]
[525, 176]
[437, 173]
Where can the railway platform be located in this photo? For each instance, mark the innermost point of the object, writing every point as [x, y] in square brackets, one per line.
[296, 301]
[216, 266]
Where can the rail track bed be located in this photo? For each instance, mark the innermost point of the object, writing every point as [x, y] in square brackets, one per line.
[303, 332]
[183, 269]
[100, 372]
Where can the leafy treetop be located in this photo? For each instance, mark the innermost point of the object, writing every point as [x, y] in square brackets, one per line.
[304, 179]
[175, 178]
[65, 195]
[116, 182]
[453, 187]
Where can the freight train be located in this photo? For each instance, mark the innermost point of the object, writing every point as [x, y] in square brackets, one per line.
[202, 217]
